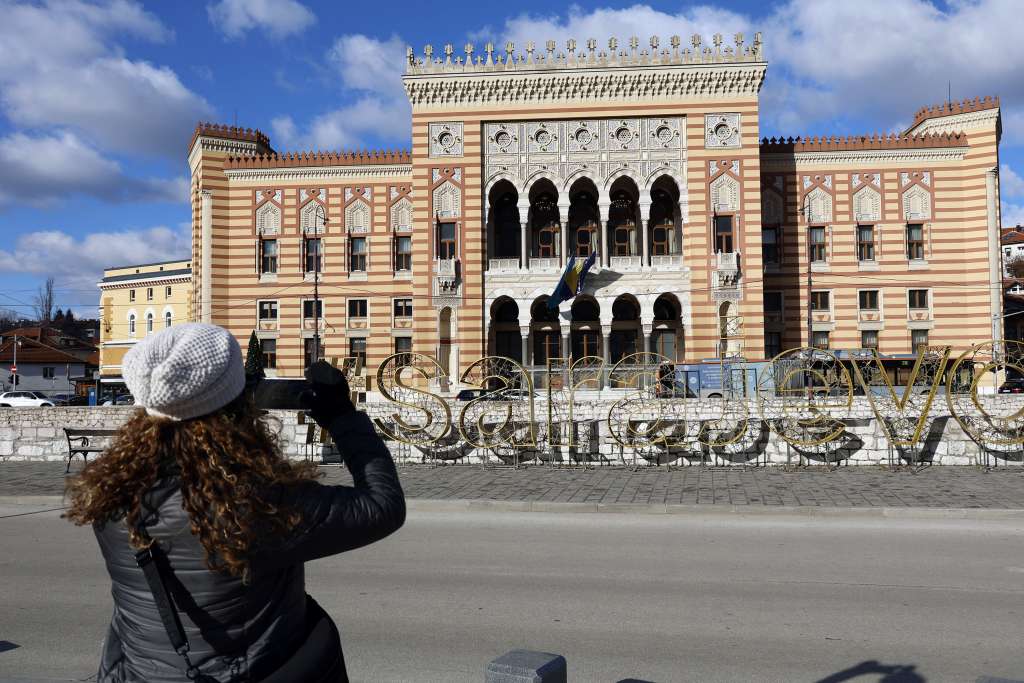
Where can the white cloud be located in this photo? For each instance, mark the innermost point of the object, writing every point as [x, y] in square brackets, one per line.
[602, 24]
[369, 64]
[1010, 184]
[278, 18]
[60, 66]
[1012, 214]
[44, 169]
[78, 262]
[829, 60]
[372, 69]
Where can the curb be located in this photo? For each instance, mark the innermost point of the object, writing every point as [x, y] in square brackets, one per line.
[481, 505]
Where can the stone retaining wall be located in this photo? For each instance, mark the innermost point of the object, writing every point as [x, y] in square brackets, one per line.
[37, 434]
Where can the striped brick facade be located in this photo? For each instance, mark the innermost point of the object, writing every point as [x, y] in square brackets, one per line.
[715, 168]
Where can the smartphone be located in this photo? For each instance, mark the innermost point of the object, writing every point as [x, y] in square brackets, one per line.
[279, 394]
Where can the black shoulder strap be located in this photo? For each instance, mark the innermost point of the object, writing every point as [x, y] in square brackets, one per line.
[152, 562]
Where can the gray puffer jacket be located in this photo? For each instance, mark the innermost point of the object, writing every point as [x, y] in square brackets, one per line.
[239, 632]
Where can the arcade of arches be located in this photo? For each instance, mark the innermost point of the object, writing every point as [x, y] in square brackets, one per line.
[547, 224]
[610, 328]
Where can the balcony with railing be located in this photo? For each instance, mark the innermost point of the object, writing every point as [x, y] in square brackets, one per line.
[498, 266]
[667, 262]
[545, 264]
[625, 264]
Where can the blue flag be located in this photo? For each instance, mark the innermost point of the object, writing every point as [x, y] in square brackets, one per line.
[572, 281]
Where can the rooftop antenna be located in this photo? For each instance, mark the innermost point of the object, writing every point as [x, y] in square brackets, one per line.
[949, 91]
[236, 119]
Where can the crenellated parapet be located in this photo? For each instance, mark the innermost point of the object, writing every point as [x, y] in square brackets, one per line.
[862, 142]
[318, 159]
[225, 132]
[953, 108]
[586, 56]
[658, 74]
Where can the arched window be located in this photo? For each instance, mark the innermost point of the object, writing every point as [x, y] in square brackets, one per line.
[131, 325]
[149, 323]
[663, 240]
[583, 222]
[546, 227]
[167, 319]
[622, 215]
[507, 312]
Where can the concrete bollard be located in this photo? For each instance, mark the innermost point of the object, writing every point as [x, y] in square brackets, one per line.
[527, 666]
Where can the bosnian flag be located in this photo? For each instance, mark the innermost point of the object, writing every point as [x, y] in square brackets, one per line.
[572, 280]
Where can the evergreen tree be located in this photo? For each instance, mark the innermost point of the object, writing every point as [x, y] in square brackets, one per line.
[254, 359]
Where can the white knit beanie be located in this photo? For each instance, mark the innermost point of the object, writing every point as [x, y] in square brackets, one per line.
[185, 371]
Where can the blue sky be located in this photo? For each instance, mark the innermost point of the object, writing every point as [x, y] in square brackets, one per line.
[98, 99]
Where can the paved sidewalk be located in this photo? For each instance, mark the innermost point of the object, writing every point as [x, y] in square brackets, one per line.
[846, 487]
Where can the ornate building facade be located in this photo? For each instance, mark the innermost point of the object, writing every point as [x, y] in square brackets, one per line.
[711, 242]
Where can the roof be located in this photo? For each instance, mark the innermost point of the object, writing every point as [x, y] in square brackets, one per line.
[860, 142]
[1012, 236]
[34, 352]
[319, 158]
[225, 132]
[146, 265]
[42, 332]
[152, 275]
[951, 108]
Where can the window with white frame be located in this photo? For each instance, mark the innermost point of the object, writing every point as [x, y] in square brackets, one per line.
[149, 323]
[131, 325]
[267, 310]
[167, 319]
[268, 347]
[312, 308]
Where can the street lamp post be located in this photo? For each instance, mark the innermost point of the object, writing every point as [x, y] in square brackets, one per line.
[320, 217]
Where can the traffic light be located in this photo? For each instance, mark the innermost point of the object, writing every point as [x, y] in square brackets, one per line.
[13, 379]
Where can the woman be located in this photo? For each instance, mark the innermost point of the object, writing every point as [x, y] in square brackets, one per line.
[194, 501]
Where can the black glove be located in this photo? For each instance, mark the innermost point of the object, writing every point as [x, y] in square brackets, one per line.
[328, 395]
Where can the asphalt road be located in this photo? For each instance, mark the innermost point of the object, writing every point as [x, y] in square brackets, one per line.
[698, 597]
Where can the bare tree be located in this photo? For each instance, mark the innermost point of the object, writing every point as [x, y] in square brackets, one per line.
[45, 301]
[1015, 267]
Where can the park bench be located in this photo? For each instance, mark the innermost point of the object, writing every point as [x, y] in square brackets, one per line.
[84, 441]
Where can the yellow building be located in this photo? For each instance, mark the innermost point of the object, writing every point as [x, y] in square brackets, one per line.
[136, 301]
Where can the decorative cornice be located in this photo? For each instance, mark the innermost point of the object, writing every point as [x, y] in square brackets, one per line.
[952, 109]
[313, 159]
[813, 160]
[648, 84]
[343, 173]
[144, 279]
[861, 142]
[956, 123]
[592, 59]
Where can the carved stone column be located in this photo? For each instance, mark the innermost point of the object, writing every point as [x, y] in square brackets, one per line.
[994, 274]
[524, 333]
[603, 208]
[563, 217]
[646, 329]
[606, 345]
[644, 209]
[524, 231]
[206, 256]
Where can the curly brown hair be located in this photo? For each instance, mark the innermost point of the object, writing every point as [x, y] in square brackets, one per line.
[226, 461]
